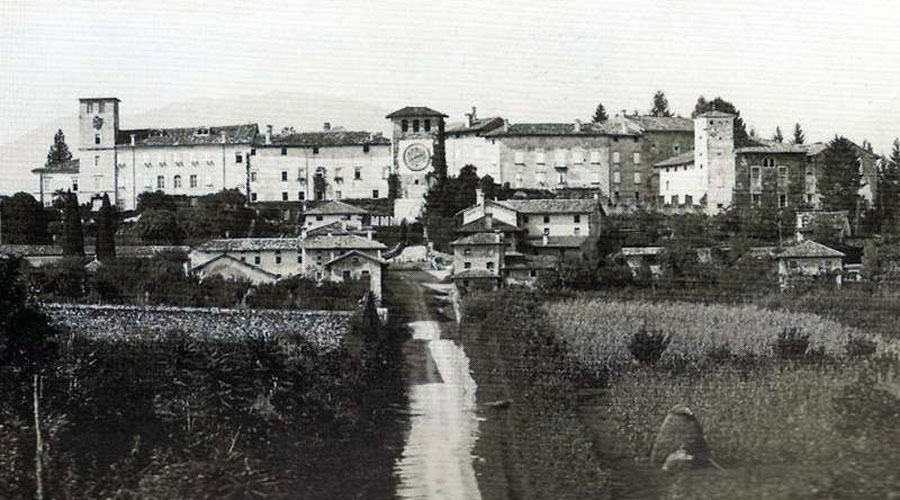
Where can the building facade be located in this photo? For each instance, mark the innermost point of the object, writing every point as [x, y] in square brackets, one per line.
[467, 144]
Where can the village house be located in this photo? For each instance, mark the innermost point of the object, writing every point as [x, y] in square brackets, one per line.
[331, 212]
[808, 259]
[467, 144]
[331, 164]
[518, 241]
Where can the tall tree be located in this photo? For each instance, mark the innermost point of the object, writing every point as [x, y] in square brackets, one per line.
[59, 151]
[799, 136]
[600, 115]
[106, 231]
[488, 187]
[24, 221]
[867, 146]
[778, 137]
[395, 188]
[889, 191]
[466, 184]
[660, 105]
[73, 234]
[741, 138]
[841, 179]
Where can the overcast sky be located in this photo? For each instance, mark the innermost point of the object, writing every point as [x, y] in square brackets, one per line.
[834, 68]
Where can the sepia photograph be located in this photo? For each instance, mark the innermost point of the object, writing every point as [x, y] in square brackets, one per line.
[506, 250]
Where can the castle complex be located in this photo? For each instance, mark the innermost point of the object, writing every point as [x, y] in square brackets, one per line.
[627, 161]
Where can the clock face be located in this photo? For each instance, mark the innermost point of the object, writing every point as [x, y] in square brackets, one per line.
[98, 122]
[416, 157]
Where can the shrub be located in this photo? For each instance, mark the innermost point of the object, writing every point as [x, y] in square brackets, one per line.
[647, 346]
[792, 343]
[720, 354]
[860, 346]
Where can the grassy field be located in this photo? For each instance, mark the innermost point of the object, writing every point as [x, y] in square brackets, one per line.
[811, 427]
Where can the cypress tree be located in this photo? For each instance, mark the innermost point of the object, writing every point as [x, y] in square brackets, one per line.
[778, 137]
[106, 231]
[799, 136]
[841, 179]
[59, 151]
[73, 235]
[600, 115]
[660, 105]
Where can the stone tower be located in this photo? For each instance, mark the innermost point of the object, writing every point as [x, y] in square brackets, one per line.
[418, 147]
[98, 126]
[714, 152]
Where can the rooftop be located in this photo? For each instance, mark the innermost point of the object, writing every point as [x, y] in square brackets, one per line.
[248, 244]
[415, 111]
[809, 249]
[552, 206]
[66, 167]
[358, 254]
[559, 242]
[336, 207]
[480, 226]
[331, 138]
[341, 241]
[773, 147]
[486, 239]
[189, 136]
[236, 262]
[479, 125]
[715, 114]
[685, 158]
[615, 126]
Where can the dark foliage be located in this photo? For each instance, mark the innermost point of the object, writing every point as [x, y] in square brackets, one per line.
[840, 180]
[106, 231]
[395, 187]
[741, 137]
[792, 343]
[600, 115]
[24, 220]
[660, 105]
[304, 293]
[59, 152]
[73, 235]
[647, 345]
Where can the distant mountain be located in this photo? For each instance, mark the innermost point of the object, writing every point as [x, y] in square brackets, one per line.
[301, 111]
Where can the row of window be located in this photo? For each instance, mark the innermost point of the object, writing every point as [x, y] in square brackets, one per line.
[489, 265]
[319, 195]
[193, 181]
[546, 218]
[426, 125]
[322, 172]
[561, 157]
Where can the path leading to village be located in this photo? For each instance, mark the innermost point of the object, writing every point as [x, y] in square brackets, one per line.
[437, 460]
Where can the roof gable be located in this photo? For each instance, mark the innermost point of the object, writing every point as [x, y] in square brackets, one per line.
[341, 241]
[809, 249]
[356, 253]
[553, 206]
[335, 207]
[414, 111]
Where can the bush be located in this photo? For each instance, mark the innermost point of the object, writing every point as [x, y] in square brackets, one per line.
[792, 343]
[647, 346]
[861, 346]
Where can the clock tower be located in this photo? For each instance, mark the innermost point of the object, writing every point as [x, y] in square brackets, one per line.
[418, 147]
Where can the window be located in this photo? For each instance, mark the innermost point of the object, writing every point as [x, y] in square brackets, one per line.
[100, 107]
[193, 180]
[755, 198]
[676, 148]
[318, 217]
[467, 265]
[238, 158]
[301, 195]
[253, 152]
[252, 176]
[299, 258]
[338, 195]
[755, 179]
[252, 196]
[667, 185]
[315, 150]
[284, 196]
[637, 177]
[540, 157]
[345, 274]
[467, 251]
[490, 265]
[374, 193]
[90, 107]
[532, 273]
[809, 171]
[577, 231]
[546, 219]
[160, 182]
[96, 161]
[176, 182]
[576, 219]
[283, 151]
[616, 157]
[782, 175]
[547, 231]
[615, 196]
[809, 198]
[561, 177]
[637, 196]
[617, 177]
[519, 180]
[674, 199]
[98, 181]
[365, 274]
[520, 158]
[560, 157]
[357, 173]
[278, 256]
[427, 125]
[257, 259]
[97, 138]
[595, 157]
[525, 219]
[284, 176]
[782, 201]
[637, 158]
[415, 125]
[404, 125]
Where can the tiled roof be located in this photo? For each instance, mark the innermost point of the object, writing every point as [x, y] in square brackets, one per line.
[479, 125]
[641, 251]
[772, 147]
[552, 206]
[716, 114]
[480, 226]
[336, 227]
[413, 111]
[479, 239]
[237, 262]
[474, 274]
[148, 250]
[809, 249]
[817, 148]
[533, 262]
[356, 253]
[341, 241]
[685, 158]
[189, 136]
[66, 167]
[336, 207]
[249, 244]
[330, 138]
[664, 124]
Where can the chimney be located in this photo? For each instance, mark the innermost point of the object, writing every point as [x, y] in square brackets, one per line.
[472, 116]
[545, 239]
[489, 222]
[222, 136]
[132, 140]
[479, 196]
[268, 134]
[369, 234]
[505, 124]
[577, 125]
[327, 126]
